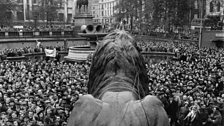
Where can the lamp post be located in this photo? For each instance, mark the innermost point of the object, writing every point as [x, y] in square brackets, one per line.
[201, 23]
[35, 22]
[74, 8]
[65, 11]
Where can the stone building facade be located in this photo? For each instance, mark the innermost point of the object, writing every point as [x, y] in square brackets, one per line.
[107, 10]
[26, 11]
[95, 11]
[103, 11]
[209, 7]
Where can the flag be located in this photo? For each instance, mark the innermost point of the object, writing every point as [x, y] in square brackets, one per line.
[50, 52]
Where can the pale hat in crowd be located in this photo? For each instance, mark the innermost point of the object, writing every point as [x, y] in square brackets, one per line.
[222, 95]
[47, 101]
[184, 97]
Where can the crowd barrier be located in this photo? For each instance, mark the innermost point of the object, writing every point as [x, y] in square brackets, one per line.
[36, 34]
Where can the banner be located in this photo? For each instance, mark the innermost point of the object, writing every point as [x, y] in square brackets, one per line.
[50, 53]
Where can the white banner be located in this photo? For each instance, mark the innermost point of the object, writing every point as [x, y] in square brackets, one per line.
[50, 53]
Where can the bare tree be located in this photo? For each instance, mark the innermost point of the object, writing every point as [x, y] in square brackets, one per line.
[47, 10]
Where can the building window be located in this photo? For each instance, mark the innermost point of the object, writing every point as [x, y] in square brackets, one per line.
[19, 16]
[69, 17]
[218, 6]
[211, 7]
[61, 17]
[9, 15]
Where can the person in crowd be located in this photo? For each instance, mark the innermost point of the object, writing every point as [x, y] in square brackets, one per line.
[173, 110]
[215, 118]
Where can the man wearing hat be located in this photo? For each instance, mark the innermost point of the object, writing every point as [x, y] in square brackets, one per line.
[222, 111]
[215, 118]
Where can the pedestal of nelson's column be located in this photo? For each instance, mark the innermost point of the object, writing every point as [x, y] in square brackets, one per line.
[81, 14]
[83, 17]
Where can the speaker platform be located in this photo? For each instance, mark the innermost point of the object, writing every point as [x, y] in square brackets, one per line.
[83, 19]
[79, 53]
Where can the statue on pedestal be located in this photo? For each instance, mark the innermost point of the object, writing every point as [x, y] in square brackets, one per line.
[83, 3]
[81, 13]
[215, 6]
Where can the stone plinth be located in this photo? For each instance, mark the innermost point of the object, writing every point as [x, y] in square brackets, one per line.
[83, 19]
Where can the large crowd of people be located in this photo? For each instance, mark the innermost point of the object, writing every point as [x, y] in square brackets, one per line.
[38, 28]
[39, 93]
[17, 52]
[157, 46]
[192, 88]
[35, 93]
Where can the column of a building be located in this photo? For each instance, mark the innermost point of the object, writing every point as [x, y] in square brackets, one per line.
[222, 7]
[30, 9]
[109, 9]
[74, 8]
[207, 6]
[24, 9]
[100, 13]
[65, 11]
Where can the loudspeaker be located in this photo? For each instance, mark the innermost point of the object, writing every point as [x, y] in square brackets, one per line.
[92, 29]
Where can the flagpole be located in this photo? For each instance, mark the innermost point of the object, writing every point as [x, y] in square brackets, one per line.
[24, 9]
